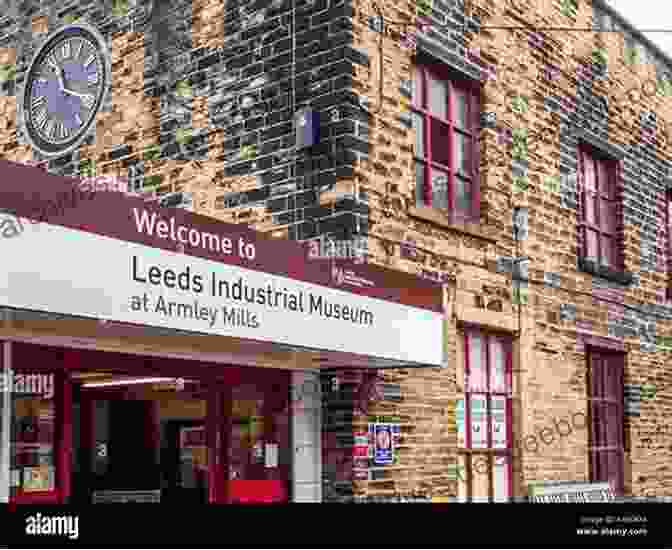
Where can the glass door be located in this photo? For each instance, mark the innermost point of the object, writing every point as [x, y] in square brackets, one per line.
[257, 443]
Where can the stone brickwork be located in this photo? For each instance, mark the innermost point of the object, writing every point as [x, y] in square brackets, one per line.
[202, 105]
[542, 91]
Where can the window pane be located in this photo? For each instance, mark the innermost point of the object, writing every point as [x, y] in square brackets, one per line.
[608, 216]
[603, 179]
[418, 127]
[479, 425]
[477, 372]
[612, 384]
[607, 251]
[420, 184]
[590, 209]
[461, 109]
[462, 154]
[462, 202]
[591, 244]
[589, 173]
[439, 189]
[440, 142]
[459, 419]
[498, 413]
[438, 97]
[497, 366]
[32, 457]
[501, 479]
[417, 87]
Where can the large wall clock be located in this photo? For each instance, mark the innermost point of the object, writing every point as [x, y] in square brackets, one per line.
[64, 89]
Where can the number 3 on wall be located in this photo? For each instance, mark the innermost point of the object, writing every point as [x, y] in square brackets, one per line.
[101, 450]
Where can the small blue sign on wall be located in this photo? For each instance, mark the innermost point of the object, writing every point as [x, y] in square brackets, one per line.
[307, 122]
[384, 445]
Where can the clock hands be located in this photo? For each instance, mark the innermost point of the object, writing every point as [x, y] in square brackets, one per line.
[87, 99]
[59, 74]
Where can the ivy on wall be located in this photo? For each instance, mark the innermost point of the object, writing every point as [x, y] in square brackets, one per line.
[569, 8]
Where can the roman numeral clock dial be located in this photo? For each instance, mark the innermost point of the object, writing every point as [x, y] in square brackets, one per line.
[64, 88]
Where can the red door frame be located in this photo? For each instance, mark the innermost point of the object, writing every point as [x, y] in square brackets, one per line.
[61, 361]
[36, 358]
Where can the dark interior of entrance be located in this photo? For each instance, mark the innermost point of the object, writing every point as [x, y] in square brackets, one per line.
[94, 427]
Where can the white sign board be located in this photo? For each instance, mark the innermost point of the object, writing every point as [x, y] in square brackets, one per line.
[60, 270]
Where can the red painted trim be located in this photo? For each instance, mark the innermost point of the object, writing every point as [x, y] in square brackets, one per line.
[38, 497]
[253, 491]
[582, 235]
[621, 435]
[422, 108]
[488, 392]
[613, 197]
[426, 124]
[213, 435]
[508, 350]
[87, 435]
[619, 237]
[600, 342]
[668, 216]
[467, 392]
[450, 110]
[64, 435]
[28, 191]
[474, 118]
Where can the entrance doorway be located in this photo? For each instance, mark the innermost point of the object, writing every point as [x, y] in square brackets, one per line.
[146, 438]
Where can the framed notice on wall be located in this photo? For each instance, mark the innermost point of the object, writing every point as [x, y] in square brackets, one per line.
[384, 446]
[39, 478]
[479, 437]
[498, 405]
[459, 420]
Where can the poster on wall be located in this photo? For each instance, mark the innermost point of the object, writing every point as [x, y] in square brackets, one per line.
[459, 419]
[478, 422]
[372, 440]
[361, 444]
[500, 478]
[396, 437]
[499, 422]
[39, 478]
[384, 447]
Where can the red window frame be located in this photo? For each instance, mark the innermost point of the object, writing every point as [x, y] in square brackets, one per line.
[447, 128]
[600, 209]
[471, 390]
[668, 225]
[605, 400]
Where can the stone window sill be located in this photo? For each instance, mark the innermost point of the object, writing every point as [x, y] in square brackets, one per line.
[440, 217]
[608, 273]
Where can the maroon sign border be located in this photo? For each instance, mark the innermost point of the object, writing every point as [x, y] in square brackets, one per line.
[31, 193]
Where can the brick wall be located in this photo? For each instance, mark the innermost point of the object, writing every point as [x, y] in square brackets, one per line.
[202, 101]
[546, 87]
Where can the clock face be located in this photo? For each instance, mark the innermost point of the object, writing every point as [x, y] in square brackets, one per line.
[64, 89]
